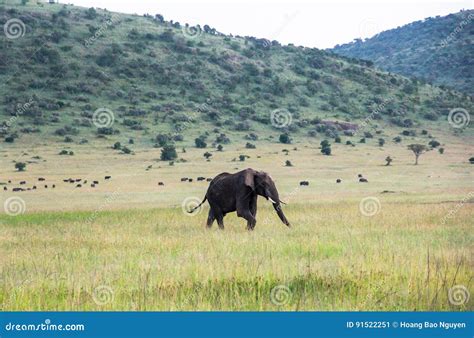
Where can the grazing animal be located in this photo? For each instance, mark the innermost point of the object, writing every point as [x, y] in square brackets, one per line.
[28, 189]
[17, 189]
[67, 180]
[161, 183]
[238, 192]
[34, 187]
[78, 179]
[71, 180]
[338, 180]
[41, 178]
[95, 182]
[200, 178]
[78, 186]
[363, 180]
[46, 186]
[54, 186]
[92, 185]
[184, 179]
[9, 181]
[85, 182]
[107, 177]
[23, 182]
[304, 183]
[5, 188]
[209, 179]
[190, 179]
[360, 175]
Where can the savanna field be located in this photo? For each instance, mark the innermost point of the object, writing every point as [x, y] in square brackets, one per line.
[401, 241]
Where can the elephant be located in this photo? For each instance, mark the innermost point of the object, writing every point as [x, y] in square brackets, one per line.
[238, 192]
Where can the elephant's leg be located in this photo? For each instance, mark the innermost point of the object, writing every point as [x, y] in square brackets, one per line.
[210, 218]
[251, 221]
[220, 221]
[253, 211]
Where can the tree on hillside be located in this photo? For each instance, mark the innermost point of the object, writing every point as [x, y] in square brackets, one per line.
[389, 160]
[168, 153]
[20, 166]
[418, 149]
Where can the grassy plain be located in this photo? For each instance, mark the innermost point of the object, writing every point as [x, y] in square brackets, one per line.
[127, 245]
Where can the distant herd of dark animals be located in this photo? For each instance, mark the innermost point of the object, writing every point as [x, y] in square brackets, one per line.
[360, 177]
[77, 182]
[199, 179]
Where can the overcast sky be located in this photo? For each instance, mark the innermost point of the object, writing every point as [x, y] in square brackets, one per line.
[321, 24]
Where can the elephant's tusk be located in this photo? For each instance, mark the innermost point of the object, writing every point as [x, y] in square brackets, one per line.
[272, 200]
[282, 202]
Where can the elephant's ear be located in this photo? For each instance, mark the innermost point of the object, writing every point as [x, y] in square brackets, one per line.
[249, 179]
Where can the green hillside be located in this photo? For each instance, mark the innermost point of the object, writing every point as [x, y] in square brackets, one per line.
[67, 72]
[439, 50]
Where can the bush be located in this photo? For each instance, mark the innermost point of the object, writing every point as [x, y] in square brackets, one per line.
[220, 147]
[326, 150]
[207, 155]
[243, 157]
[117, 146]
[381, 142]
[288, 163]
[20, 166]
[471, 160]
[324, 143]
[434, 143]
[397, 139]
[126, 150]
[337, 139]
[441, 150]
[168, 153]
[250, 145]
[285, 138]
[200, 143]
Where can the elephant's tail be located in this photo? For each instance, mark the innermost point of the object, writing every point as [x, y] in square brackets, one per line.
[198, 206]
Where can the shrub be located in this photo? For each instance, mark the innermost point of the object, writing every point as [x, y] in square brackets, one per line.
[441, 150]
[326, 150]
[243, 157]
[168, 153]
[324, 143]
[434, 143]
[200, 143]
[397, 139]
[117, 146]
[207, 155]
[20, 166]
[471, 160]
[126, 150]
[381, 142]
[337, 139]
[63, 152]
[288, 163]
[250, 145]
[220, 147]
[285, 138]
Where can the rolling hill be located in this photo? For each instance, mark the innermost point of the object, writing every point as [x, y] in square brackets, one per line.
[438, 50]
[73, 74]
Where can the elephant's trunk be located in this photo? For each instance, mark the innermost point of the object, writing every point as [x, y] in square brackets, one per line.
[280, 213]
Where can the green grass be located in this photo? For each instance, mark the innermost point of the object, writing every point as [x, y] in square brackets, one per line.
[333, 258]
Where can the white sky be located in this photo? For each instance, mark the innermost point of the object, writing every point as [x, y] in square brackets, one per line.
[317, 23]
